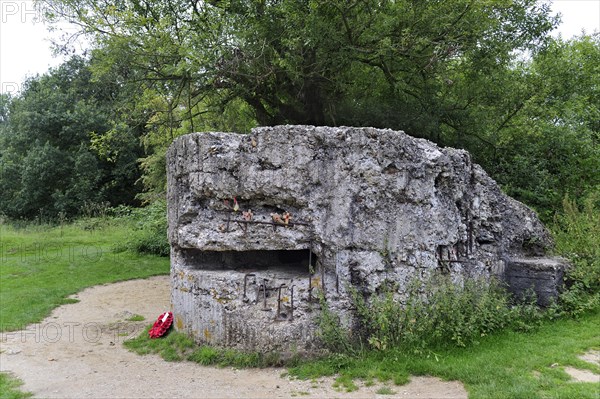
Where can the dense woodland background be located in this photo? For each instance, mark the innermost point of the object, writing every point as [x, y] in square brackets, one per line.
[481, 75]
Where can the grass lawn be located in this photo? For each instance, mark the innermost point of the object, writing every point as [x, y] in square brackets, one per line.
[40, 266]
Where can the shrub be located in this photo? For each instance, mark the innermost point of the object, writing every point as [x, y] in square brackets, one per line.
[577, 234]
[437, 312]
[149, 230]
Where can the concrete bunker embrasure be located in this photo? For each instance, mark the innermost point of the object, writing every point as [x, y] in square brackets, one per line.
[263, 225]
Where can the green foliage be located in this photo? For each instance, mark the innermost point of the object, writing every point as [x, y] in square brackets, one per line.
[441, 70]
[577, 234]
[47, 163]
[331, 331]
[436, 313]
[550, 147]
[290, 61]
[149, 235]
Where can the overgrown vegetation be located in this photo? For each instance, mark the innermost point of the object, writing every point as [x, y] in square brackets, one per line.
[577, 234]
[149, 229]
[435, 313]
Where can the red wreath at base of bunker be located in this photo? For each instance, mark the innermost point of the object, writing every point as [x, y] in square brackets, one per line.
[161, 325]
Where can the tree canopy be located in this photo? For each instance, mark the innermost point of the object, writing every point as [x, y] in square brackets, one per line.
[483, 75]
[48, 163]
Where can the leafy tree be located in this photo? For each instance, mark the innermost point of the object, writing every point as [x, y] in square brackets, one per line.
[316, 62]
[431, 68]
[452, 71]
[551, 147]
[47, 159]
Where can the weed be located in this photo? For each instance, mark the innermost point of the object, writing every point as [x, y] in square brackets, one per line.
[331, 332]
[149, 235]
[177, 346]
[385, 391]
[435, 313]
[136, 317]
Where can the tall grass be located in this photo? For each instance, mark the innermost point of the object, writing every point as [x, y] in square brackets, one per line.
[149, 230]
[577, 234]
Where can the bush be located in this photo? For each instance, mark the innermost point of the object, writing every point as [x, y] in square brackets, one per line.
[577, 234]
[436, 313]
[149, 230]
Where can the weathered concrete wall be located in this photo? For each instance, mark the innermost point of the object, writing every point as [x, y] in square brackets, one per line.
[367, 206]
[541, 276]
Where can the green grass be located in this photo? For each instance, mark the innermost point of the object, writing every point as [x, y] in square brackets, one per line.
[385, 391]
[505, 365]
[176, 346]
[40, 266]
[136, 317]
[9, 388]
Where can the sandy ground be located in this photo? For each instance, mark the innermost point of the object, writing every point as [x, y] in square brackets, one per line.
[592, 356]
[77, 352]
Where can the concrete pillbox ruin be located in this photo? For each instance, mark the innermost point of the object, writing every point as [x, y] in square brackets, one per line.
[263, 226]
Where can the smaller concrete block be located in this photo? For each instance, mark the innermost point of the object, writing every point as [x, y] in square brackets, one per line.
[543, 275]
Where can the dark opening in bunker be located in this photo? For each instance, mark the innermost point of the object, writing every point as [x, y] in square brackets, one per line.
[289, 261]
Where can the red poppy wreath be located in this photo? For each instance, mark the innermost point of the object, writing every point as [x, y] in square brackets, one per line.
[161, 325]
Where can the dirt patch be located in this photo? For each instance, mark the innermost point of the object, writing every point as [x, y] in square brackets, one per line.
[591, 356]
[77, 352]
[578, 375]
[582, 375]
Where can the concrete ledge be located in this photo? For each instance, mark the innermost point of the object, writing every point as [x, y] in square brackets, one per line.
[545, 276]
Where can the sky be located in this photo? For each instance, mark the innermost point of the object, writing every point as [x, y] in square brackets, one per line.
[25, 41]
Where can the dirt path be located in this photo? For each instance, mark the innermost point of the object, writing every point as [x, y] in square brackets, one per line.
[77, 352]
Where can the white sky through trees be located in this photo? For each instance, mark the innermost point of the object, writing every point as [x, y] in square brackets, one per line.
[25, 45]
